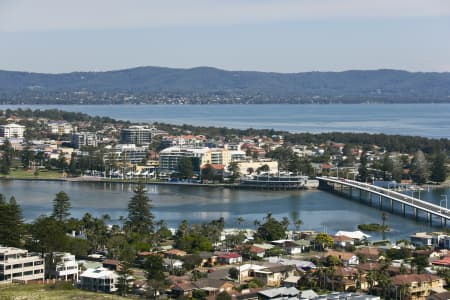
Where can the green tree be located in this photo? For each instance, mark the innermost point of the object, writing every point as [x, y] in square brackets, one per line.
[323, 241]
[438, 168]
[363, 173]
[26, 156]
[233, 273]
[125, 280]
[140, 217]
[48, 235]
[61, 206]
[185, 167]
[208, 172]
[154, 273]
[6, 158]
[271, 229]
[223, 296]
[11, 223]
[233, 168]
[419, 168]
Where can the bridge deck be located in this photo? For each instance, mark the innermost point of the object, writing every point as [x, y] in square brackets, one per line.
[396, 196]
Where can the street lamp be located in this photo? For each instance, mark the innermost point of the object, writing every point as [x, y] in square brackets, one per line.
[443, 200]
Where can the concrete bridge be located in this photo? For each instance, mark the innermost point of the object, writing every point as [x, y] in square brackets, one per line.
[346, 187]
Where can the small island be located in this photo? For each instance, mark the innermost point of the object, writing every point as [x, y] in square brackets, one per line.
[374, 227]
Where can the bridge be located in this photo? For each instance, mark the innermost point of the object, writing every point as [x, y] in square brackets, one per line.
[341, 185]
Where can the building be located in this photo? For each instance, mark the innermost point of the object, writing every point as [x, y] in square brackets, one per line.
[81, 139]
[129, 153]
[99, 279]
[139, 135]
[279, 293]
[418, 286]
[19, 265]
[61, 266]
[12, 131]
[60, 127]
[250, 167]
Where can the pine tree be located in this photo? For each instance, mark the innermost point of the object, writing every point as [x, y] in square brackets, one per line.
[362, 170]
[140, 217]
[61, 206]
[438, 169]
[419, 168]
[6, 158]
[11, 222]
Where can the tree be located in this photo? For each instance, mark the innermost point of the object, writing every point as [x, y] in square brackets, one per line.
[140, 217]
[271, 229]
[208, 172]
[233, 168]
[154, 273]
[48, 235]
[419, 168]
[61, 206]
[124, 284]
[11, 223]
[223, 296]
[438, 168]
[323, 240]
[363, 173]
[233, 273]
[185, 167]
[7, 156]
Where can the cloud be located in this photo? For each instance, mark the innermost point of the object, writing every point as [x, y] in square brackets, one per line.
[45, 15]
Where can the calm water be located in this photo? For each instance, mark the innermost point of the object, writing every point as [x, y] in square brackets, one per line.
[317, 209]
[429, 120]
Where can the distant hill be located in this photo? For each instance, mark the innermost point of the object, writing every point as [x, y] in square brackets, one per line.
[204, 84]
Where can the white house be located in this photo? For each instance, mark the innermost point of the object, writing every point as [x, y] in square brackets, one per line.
[99, 279]
[61, 266]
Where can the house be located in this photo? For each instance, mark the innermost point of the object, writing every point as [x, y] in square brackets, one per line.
[291, 281]
[273, 276]
[439, 296]
[418, 286]
[420, 239]
[347, 258]
[19, 265]
[344, 278]
[229, 258]
[61, 266]
[356, 235]
[291, 247]
[99, 279]
[247, 271]
[279, 293]
[370, 253]
[214, 286]
[170, 263]
[343, 241]
[112, 264]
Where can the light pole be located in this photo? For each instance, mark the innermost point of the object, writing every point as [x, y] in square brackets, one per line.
[443, 200]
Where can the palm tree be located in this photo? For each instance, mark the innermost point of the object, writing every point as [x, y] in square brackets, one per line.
[240, 221]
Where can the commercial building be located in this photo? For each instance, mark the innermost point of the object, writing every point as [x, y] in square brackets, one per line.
[139, 135]
[61, 266]
[81, 139]
[12, 131]
[19, 265]
[128, 153]
[99, 279]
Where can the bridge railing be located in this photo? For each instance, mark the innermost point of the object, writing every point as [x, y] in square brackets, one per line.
[433, 208]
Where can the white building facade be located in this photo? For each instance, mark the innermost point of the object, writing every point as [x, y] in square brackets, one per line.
[19, 265]
[12, 131]
[99, 279]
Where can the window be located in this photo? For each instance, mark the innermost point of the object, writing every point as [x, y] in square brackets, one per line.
[17, 266]
[28, 264]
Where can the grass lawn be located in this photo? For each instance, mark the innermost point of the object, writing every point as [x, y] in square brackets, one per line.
[20, 173]
[44, 292]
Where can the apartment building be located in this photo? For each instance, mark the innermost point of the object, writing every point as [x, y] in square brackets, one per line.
[19, 265]
[60, 127]
[81, 139]
[99, 279]
[139, 135]
[12, 131]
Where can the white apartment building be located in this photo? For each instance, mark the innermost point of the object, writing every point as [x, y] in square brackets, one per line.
[19, 265]
[99, 279]
[12, 131]
[81, 139]
[170, 158]
[61, 266]
[60, 127]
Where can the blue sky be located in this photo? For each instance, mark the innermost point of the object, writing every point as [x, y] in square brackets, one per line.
[264, 35]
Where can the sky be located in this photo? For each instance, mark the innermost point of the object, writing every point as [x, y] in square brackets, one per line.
[56, 36]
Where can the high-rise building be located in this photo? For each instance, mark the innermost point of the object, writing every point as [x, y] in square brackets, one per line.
[139, 135]
[81, 139]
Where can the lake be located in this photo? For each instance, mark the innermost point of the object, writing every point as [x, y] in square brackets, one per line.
[318, 210]
[428, 120]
